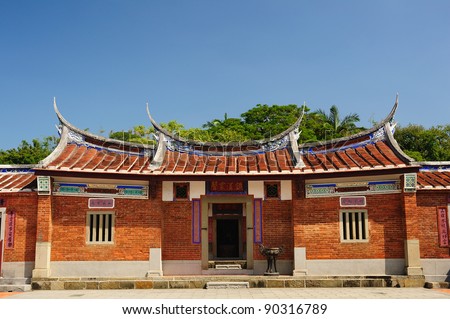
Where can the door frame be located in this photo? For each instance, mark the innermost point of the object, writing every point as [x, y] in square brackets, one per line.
[247, 200]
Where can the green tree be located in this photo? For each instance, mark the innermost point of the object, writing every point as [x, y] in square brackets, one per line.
[226, 130]
[29, 153]
[333, 125]
[139, 134]
[264, 121]
[423, 144]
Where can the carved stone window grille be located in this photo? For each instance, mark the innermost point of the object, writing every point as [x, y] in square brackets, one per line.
[181, 191]
[272, 190]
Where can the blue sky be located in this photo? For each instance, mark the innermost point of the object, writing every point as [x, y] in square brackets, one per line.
[195, 60]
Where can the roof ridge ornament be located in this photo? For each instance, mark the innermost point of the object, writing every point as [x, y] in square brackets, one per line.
[377, 131]
[176, 142]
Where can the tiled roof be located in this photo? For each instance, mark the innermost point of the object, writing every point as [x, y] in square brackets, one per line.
[80, 151]
[13, 179]
[95, 158]
[357, 154]
[434, 175]
[278, 161]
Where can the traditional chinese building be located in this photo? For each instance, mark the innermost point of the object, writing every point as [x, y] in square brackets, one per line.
[97, 207]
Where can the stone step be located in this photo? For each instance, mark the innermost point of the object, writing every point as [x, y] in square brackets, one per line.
[229, 266]
[15, 288]
[227, 284]
[437, 285]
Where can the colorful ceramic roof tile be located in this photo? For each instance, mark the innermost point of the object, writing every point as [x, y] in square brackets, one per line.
[83, 152]
[434, 176]
[14, 178]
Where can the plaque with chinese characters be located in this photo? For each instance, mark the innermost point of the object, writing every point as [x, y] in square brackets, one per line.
[442, 226]
[225, 187]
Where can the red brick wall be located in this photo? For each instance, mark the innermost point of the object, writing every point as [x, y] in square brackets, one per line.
[25, 207]
[316, 227]
[177, 232]
[427, 203]
[137, 228]
[44, 218]
[277, 228]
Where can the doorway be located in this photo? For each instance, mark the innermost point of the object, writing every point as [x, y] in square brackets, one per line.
[228, 238]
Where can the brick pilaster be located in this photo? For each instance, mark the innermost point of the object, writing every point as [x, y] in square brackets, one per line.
[43, 237]
[412, 231]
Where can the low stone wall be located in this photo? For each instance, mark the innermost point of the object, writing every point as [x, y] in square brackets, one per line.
[200, 282]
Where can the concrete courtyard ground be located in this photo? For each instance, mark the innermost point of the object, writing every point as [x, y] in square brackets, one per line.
[242, 293]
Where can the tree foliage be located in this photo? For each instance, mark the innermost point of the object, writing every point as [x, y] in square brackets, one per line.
[335, 125]
[423, 144]
[264, 121]
[29, 153]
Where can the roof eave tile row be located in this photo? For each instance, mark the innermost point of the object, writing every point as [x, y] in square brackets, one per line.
[15, 182]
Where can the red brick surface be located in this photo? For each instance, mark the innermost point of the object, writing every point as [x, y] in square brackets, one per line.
[177, 232]
[427, 203]
[316, 227]
[142, 224]
[277, 228]
[25, 207]
[137, 228]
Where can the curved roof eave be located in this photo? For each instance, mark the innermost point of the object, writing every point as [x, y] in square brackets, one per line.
[172, 136]
[375, 128]
[396, 148]
[99, 138]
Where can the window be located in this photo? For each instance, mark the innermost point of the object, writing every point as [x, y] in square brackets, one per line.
[100, 227]
[272, 190]
[181, 191]
[354, 226]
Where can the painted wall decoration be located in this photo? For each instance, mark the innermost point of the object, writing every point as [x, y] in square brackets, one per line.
[196, 221]
[257, 221]
[77, 189]
[101, 203]
[442, 226]
[352, 201]
[10, 229]
[222, 187]
[364, 187]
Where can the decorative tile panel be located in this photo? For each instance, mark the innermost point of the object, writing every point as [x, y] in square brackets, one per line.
[364, 187]
[410, 184]
[44, 185]
[78, 189]
[317, 190]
